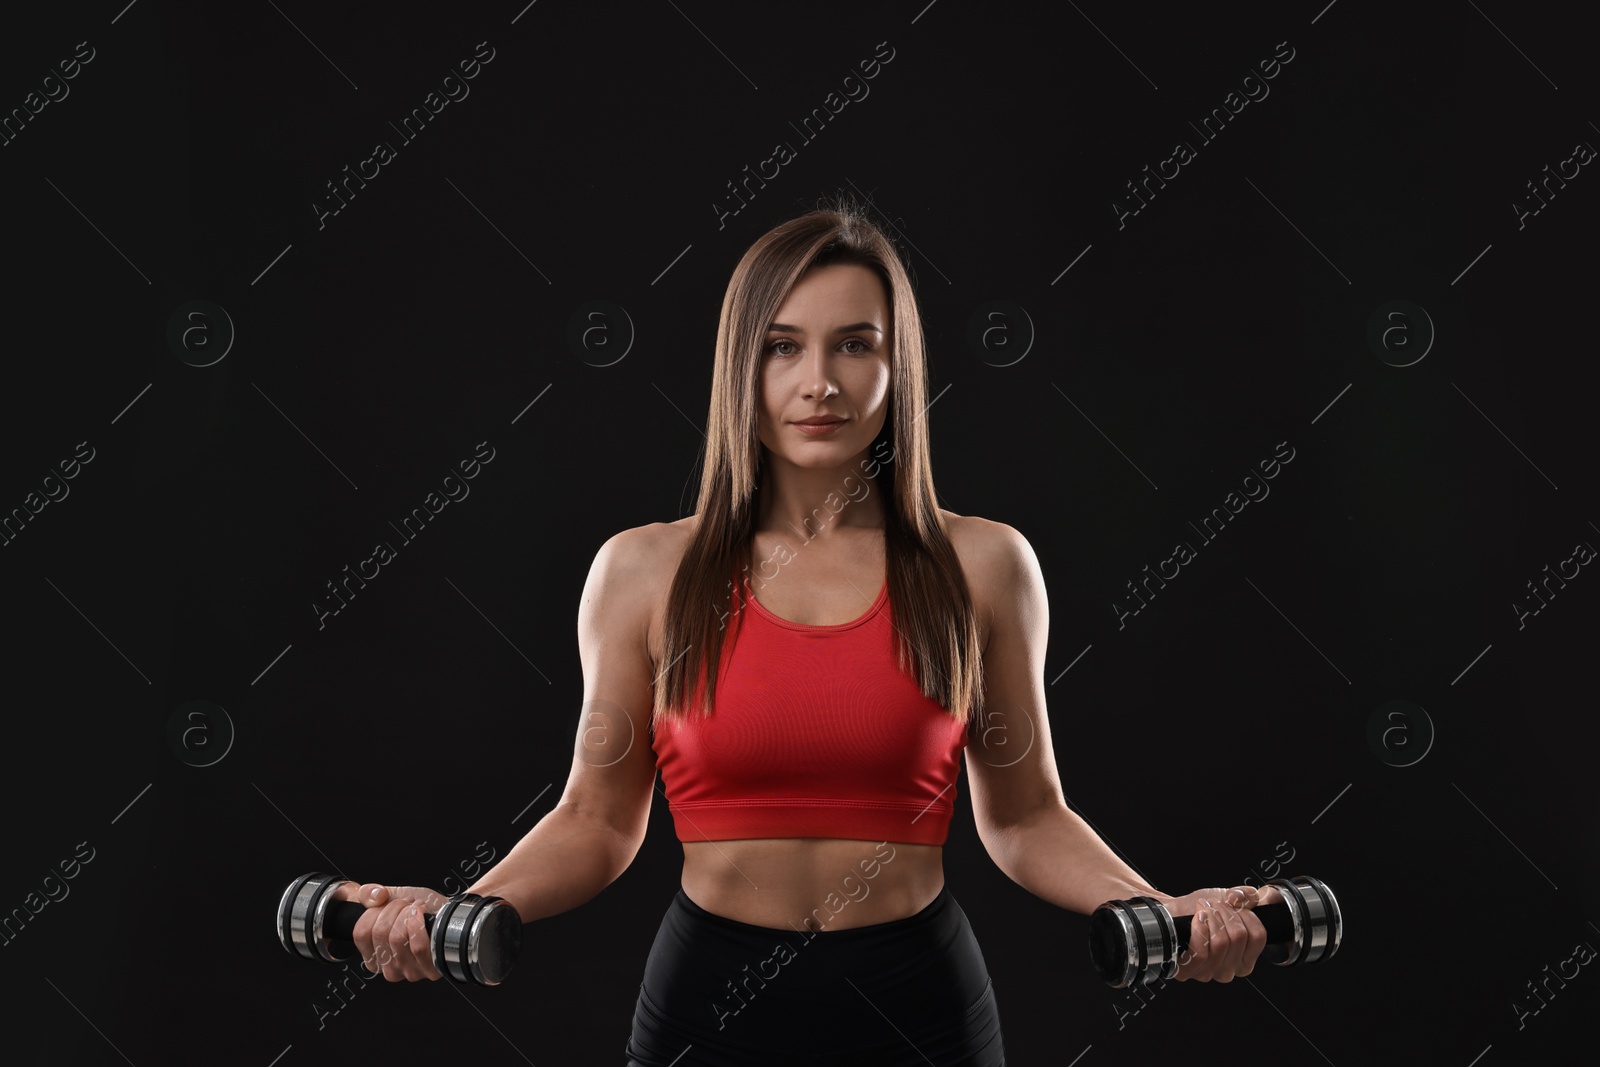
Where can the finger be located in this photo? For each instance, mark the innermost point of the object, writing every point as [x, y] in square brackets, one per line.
[361, 934]
[1241, 896]
[346, 890]
[1239, 960]
[1196, 962]
[421, 949]
[383, 940]
[400, 943]
[1231, 963]
[1189, 958]
[430, 899]
[394, 963]
[350, 892]
[370, 895]
[409, 940]
[1217, 945]
[1255, 935]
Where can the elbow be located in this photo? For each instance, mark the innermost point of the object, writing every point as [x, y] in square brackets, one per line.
[627, 850]
[1005, 825]
[999, 839]
[1008, 839]
[622, 837]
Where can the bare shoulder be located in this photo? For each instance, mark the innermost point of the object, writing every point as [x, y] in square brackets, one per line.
[643, 551]
[668, 541]
[653, 552]
[999, 564]
[989, 551]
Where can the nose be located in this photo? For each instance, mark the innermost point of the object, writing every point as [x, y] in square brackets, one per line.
[818, 381]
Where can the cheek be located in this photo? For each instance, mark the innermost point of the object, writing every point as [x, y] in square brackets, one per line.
[875, 386]
[766, 418]
[766, 389]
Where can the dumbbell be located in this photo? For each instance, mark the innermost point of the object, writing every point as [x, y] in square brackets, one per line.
[473, 939]
[1136, 941]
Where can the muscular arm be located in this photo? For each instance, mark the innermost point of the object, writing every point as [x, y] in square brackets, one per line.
[592, 834]
[1022, 817]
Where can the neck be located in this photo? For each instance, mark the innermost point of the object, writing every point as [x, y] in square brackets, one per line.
[816, 502]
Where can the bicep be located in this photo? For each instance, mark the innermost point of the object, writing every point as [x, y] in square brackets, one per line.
[613, 764]
[1010, 757]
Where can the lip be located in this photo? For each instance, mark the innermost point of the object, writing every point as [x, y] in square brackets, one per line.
[816, 428]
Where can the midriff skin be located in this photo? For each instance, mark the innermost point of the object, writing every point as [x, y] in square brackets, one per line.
[780, 882]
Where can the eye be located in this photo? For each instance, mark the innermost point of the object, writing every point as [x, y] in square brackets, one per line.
[864, 348]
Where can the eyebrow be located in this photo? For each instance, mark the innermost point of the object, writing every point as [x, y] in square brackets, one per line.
[781, 327]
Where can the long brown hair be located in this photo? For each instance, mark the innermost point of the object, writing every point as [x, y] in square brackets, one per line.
[931, 607]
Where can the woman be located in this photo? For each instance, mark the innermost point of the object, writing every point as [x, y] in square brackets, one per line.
[862, 637]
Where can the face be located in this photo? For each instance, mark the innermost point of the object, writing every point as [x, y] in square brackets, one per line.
[827, 355]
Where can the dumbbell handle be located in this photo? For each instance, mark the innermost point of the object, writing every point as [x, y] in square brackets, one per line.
[1275, 918]
[339, 923]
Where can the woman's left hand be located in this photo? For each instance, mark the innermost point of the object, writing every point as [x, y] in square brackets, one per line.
[1224, 937]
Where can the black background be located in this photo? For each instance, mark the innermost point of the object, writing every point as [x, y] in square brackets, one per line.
[1228, 718]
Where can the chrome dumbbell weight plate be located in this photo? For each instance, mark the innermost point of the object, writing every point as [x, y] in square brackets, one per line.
[1318, 923]
[302, 918]
[1133, 941]
[475, 939]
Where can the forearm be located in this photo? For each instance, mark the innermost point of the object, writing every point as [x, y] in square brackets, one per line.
[1058, 857]
[564, 861]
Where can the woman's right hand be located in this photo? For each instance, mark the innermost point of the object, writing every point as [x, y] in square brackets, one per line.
[391, 936]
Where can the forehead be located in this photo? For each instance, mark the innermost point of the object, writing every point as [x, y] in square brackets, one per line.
[846, 289]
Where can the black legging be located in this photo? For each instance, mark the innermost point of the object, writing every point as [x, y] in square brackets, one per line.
[911, 991]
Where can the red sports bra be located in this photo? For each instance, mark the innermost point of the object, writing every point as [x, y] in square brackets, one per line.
[816, 733]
